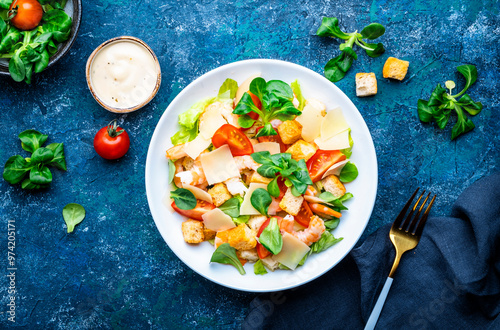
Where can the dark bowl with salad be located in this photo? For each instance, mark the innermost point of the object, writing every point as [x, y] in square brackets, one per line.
[35, 34]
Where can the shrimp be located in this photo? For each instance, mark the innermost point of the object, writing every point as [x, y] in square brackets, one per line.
[194, 176]
[246, 162]
[235, 186]
[309, 235]
[227, 112]
[311, 191]
[324, 210]
[176, 152]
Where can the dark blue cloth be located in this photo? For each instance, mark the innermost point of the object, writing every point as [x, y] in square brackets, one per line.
[451, 280]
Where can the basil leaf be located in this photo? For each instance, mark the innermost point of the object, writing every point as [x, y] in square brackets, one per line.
[261, 200]
[374, 50]
[59, 161]
[73, 214]
[266, 130]
[15, 169]
[258, 268]
[27, 184]
[171, 171]
[330, 28]
[273, 188]
[326, 241]
[332, 71]
[262, 157]
[473, 108]
[32, 140]
[246, 121]
[470, 74]
[437, 96]
[271, 238]
[348, 173]
[231, 207]
[268, 171]
[348, 56]
[258, 87]
[40, 175]
[42, 155]
[281, 90]
[463, 124]
[184, 199]
[229, 85]
[245, 105]
[425, 112]
[373, 31]
[226, 254]
[332, 224]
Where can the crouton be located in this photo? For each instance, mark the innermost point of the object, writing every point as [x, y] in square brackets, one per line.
[208, 233]
[395, 69]
[333, 185]
[241, 238]
[290, 203]
[366, 84]
[257, 178]
[250, 255]
[221, 238]
[219, 194]
[192, 230]
[270, 263]
[290, 131]
[302, 150]
[255, 222]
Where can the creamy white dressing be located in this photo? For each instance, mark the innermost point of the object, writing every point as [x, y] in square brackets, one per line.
[123, 74]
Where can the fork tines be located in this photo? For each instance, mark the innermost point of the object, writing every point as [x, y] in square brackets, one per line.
[414, 224]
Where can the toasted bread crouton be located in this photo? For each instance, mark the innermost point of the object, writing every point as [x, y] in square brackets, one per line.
[221, 238]
[257, 178]
[219, 194]
[255, 222]
[395, 69]
[270, 263]
[333, 185]
[241, 238]
[290, 203]
[290, 131]
[366, 84]
[302, 150]
[250, 255]
[208, 233]
[192, 230]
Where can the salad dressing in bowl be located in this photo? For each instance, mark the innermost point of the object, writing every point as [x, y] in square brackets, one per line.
[123, 74]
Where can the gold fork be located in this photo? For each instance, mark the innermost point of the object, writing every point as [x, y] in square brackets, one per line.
[404, 236]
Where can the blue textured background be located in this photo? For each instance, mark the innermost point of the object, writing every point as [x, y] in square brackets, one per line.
[115, 271]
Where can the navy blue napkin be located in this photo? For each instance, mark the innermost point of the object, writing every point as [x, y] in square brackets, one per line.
[450, 280]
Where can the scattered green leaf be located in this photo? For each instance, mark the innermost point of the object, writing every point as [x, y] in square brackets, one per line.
[73, 214]
[184, 199]
[259, 268]
[271, 237]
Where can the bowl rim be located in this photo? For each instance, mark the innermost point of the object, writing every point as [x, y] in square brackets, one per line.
[149, 182]
[89, 82]
[66, 46]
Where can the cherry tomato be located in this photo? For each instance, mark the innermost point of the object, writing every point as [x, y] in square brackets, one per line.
[304, 215]
[111, 142]
[25, 14]
[201, 208]
[321, 161]
[282, 186]
[261, 250]
[237, 141]
[272, 138]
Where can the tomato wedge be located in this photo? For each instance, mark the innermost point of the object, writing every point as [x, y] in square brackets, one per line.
[321, 161]
[304, 215]
[201, 208]
[261, 250]
[272, 138]
[237, 141]
[283, 188]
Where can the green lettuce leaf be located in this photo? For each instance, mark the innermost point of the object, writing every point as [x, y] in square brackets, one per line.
[189, 121]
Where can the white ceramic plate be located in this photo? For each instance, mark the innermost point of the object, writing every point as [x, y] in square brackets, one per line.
[353, 221]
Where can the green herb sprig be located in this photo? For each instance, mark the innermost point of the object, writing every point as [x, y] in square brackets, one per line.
[30, 51]
[34, 172]
[226, 254]
[282, 165]
[183, 198]
[276, 97]
[337, 67]
[441, 103]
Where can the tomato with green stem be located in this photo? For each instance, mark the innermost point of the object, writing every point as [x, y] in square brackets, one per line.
[111, 142]
[25, 14]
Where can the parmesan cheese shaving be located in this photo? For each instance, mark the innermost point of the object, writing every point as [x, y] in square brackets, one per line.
[217, 220]
[336, 142]
[198, 193]
[292, 252]
[219, 165]
[211, 120]
[311, 120]
[194, 148]
[333, 124]
[335, 169]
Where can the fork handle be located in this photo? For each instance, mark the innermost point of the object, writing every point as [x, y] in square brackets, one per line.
[372, 320]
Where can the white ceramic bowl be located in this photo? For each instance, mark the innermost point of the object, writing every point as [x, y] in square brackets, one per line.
[353, 221]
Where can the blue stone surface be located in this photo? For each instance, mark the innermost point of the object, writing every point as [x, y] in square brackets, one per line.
[115, 270]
